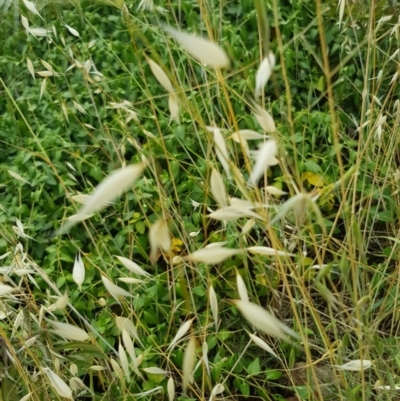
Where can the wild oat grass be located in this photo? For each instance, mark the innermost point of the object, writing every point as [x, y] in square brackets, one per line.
[200, 201]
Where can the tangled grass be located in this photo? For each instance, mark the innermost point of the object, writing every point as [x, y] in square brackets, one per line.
[184, 219]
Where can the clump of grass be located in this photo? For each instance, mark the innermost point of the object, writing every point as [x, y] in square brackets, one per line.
[254, 262]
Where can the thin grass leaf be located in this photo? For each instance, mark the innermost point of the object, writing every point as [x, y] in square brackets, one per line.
[110, 188]
[262, 344]
[58, 384]
[263, 24]
[5, 5]
[262, 320]
[265, 158]
[263, 73]
[114, 290]
[78, 272]
[161, 76]
[171, 389]
[201, 49]
[241, 286]
[218, 188]
[189, 358]
[214, 306]
[212, 255]
[148, 392]
[356, 365]
[69, 331]
[181, 332]
[132, 266]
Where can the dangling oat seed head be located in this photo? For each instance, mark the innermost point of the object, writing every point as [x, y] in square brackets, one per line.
[160, 75]
[265, 158]
[264, 119]
[356, 365]
[132, 266]
[78, 271]
[110, 188]
[69, 331]
[218, 188]
[262, 344]
[189, 358]
[221, 149]
[114, 290]
[263, 73]
[263, 320]
[201, 49]
[181, 332]
[214, 306]
[212, 256]
[58, 384]
[241, 286]
[159, 237]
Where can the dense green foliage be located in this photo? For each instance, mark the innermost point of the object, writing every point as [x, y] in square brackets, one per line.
[333, 96]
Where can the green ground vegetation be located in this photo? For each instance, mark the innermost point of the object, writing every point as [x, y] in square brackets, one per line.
[295, 294]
